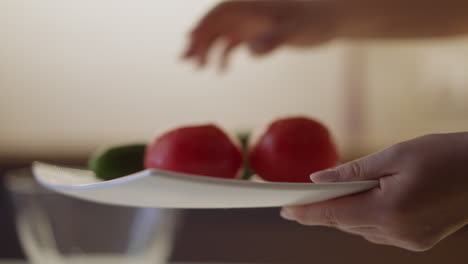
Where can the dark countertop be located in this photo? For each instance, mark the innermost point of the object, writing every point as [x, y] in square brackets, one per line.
[9, 244]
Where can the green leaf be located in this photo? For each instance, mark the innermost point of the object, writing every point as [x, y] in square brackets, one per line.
[244, 138]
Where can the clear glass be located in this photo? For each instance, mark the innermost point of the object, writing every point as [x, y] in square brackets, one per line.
[56, 229]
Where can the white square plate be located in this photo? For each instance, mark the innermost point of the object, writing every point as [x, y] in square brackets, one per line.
[156, 188]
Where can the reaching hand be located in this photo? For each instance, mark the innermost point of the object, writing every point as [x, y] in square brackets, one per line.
[263, 26]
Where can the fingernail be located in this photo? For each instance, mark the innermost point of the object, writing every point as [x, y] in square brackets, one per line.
[286, 214]
[324, 176]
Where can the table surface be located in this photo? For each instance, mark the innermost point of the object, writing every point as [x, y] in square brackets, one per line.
[12, 261]
[15, 261]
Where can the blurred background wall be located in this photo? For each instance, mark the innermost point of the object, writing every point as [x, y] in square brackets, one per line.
[414, 88]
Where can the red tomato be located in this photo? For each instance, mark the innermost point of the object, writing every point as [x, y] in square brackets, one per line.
[202, 150]
[291, 149]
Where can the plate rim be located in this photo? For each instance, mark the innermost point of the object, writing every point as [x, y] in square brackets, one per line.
[199, 179]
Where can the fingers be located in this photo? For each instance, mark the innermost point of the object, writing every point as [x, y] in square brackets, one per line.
[372, 167]
[199, 47]
[230, 46]
[204, 36]
[237, 22]
[361, 231]
[199, 50]
[218, 23]
[379, 240]
[202, 43]
[203, 48]
[350, 211]
[371, 234]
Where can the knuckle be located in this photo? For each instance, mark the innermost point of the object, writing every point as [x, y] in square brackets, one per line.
[406, 150]
[325, 216]
[300, 217]
[356, 169]
[399, 150]
[328, 216]
[352, 171]
[228, 6]
[220, 9]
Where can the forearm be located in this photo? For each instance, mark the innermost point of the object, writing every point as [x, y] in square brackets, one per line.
[372, 19]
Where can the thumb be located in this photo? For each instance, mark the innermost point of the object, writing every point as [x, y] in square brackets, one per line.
[267, 41]
[371, 167]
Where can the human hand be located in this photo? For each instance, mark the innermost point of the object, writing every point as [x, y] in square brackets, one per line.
[422, 197]
[265, 25]
[262, 26]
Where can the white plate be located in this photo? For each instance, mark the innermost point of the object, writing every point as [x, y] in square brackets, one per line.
[156, 188]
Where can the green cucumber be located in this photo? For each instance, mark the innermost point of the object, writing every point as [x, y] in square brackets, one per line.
[118, 161]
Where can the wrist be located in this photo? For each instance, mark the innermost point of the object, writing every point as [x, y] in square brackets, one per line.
[354, 18]
[401, 18]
